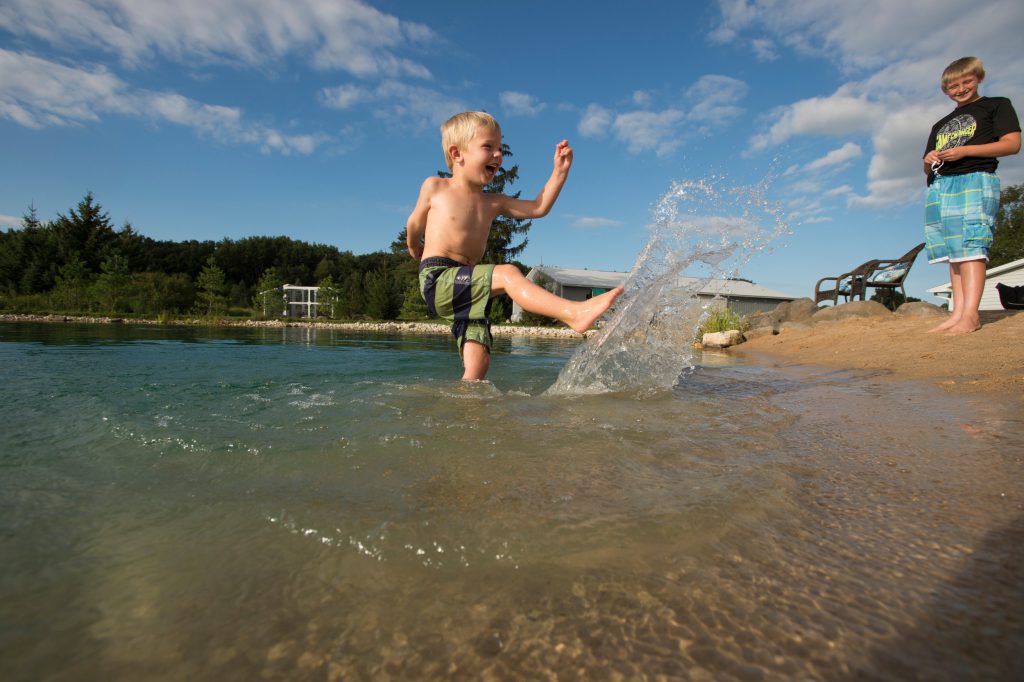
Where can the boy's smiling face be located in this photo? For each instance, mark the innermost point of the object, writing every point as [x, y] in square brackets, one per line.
[963, 90]
[481, 158]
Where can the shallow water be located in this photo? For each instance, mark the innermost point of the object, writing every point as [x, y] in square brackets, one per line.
[310, 504]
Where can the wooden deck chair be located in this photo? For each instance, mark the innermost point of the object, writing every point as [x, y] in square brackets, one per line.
[831, 288]
[878, 274]
[889, 274]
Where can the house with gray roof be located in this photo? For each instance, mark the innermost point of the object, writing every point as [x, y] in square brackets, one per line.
[578, 284]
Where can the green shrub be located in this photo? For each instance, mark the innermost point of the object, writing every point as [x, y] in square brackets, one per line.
[720, 320]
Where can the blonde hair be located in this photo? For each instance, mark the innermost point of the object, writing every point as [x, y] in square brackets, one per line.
[962, 67]
[461, 128]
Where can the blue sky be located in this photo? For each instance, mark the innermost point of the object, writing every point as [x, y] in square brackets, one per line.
[318, 119]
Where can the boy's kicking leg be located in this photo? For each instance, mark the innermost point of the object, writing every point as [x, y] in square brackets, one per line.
[579, 315]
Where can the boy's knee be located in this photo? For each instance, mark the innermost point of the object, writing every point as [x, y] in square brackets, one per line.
[506, 270]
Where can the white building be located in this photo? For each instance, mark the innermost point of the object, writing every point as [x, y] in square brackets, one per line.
[1011, 274]
[575, 284]
[298, 301]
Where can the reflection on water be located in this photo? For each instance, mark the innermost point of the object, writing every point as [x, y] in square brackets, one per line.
[195, 504]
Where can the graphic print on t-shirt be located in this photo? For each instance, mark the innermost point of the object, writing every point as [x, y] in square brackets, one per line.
[955, 132]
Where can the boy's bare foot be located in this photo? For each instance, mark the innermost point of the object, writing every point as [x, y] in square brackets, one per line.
[950, 321]
[964, 326]
[588, 311]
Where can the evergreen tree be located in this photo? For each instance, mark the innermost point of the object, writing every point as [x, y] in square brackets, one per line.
[132, 246]
[1008, 242]
[327, 297]
[28, 257]
[72, 285]
[175, 293]
[112, 284]
[85, 233]
[211, 285]
[352, 298]
[413, 305]
[239, 295]
[381, 301]
[268, 300]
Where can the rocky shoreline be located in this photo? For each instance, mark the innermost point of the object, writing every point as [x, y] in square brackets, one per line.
[376, 327]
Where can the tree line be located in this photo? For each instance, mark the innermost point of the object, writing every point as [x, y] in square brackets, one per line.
[79, 263]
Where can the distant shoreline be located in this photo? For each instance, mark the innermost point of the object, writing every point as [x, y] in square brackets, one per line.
[385, 326]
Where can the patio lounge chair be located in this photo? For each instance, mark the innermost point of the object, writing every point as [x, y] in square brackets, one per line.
[877, 274]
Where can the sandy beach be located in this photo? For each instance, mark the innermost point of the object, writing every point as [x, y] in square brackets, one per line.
[990, 360]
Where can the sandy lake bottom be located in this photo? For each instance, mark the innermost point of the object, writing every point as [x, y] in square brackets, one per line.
[291, 504]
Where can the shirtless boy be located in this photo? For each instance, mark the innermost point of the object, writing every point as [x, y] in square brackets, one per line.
[447, 232]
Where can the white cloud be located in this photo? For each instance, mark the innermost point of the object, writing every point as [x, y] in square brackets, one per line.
[9, 222]
[716, 98]
[347, 35]
[839, 191]
[870, 33]
[396, 102]
[520, 103]
[836, 157]
[895, 173]
[764, 49]
[642, 98]
[595, 121]
[737, 15]
[345, 96]
[649, 131]
[836, 115]
[37, 93]
[593, 222]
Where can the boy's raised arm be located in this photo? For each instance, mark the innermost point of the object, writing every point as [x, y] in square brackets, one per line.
[541, 205]
[416, 225]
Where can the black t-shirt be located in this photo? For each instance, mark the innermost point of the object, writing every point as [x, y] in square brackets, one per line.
[984, 120]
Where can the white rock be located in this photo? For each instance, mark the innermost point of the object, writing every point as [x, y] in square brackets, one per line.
[721, 339]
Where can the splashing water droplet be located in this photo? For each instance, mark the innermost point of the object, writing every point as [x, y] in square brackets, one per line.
[704, 226]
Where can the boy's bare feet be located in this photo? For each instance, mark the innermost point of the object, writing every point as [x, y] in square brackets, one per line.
[964, 326]
[949, 322]
[588, 311]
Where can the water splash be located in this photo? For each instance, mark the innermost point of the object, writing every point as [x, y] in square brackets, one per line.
[705, 227]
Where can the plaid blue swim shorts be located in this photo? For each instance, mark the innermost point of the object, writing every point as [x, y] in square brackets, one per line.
[959, 216]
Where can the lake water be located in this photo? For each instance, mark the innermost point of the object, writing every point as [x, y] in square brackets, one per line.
[228, 504]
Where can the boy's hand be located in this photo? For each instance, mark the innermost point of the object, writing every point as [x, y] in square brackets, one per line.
[563, 156]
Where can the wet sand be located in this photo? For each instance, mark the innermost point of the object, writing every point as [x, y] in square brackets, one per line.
[988, 361]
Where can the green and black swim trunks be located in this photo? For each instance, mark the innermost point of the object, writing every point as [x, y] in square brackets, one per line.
[460, 294]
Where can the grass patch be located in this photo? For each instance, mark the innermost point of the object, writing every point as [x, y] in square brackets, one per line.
[721, 320]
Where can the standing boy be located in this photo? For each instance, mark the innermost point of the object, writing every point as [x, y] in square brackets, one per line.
[447, 232]
[963, 190]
